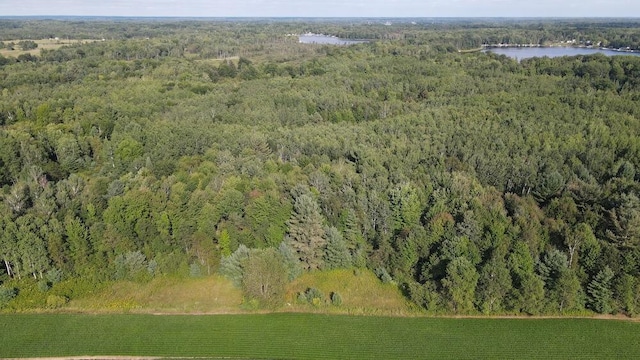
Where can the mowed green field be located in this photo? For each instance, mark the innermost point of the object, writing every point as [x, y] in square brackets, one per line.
[307, 336]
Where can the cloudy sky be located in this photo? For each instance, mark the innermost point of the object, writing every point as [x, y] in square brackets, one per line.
[326, 8]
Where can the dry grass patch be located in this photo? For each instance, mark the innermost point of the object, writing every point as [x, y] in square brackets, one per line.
[49, 44]
[165, 295]
[361, 291]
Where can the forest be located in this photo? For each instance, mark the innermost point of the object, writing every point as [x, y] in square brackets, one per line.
[476, 183]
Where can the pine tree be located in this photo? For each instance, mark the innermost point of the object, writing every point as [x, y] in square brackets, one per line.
[355, 240]
[599, 290]
[306, 235]
[77, 237]
[232, 266]
[336, 255]
[290, 259]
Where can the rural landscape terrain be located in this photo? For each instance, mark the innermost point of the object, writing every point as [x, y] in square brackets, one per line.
[220, 188]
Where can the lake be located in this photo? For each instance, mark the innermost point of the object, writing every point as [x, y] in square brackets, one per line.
[326, 39]
[525, 53]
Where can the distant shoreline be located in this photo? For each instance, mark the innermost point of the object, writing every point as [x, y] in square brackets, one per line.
[529, 46]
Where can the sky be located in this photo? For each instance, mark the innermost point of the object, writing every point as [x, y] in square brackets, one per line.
[324, 8]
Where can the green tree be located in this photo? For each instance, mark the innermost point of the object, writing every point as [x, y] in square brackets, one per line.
[568, 292]
[127, 151]
[31, 247]
[290, 260]
[233, 266]
[600, 292]
[493, 286]
[551, 185]
[336, 254]
[78, 239]
[224, 242]
[355, 239]
[460, 285]
[306, 234]
[27, 45]
[53, 234]
[227, 69]
[406, 206]
[624, 220]
[531, 295]
[265, 276]
[267, 217]
[628, 290]
[9, 246]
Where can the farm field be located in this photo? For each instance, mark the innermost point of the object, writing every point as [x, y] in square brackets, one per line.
[307, 336]
[49, 44]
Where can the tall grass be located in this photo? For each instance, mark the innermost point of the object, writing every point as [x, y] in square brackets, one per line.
[361, 292]
[166, 295]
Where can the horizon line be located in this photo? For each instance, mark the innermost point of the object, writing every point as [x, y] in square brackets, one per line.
[318, 17]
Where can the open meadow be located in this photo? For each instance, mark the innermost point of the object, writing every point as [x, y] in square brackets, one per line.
[307, 336]
[48, 44]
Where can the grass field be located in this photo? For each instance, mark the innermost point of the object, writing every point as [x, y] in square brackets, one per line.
[164, 295]
[313, 336]
[49, 44]
[361, 291]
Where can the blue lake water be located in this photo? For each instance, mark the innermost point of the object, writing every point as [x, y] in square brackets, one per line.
[325, 39]
[525, 53]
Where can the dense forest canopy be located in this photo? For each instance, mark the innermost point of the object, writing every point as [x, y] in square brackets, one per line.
[475, 182]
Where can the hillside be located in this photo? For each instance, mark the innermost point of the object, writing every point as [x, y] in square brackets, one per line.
[470, 183]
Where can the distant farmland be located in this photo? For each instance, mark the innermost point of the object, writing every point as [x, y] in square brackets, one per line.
[49, 44]
[308, 336]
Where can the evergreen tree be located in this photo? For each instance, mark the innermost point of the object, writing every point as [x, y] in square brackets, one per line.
[336, 255]
[305, 232]
[354, 239]
[233, 266]
[77, 237]
[628, 293]
[599, 290]
[290, 259]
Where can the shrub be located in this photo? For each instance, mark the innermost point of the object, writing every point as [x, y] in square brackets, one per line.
[43, 285]
[6, 294]
[195, 271]
[74, 288]
[383, 275]
[302, 298]
[130, 266]
[56, 301]
[314, 296]
[28, 45]
[152, 267]
[53, 276]
[336, 299]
